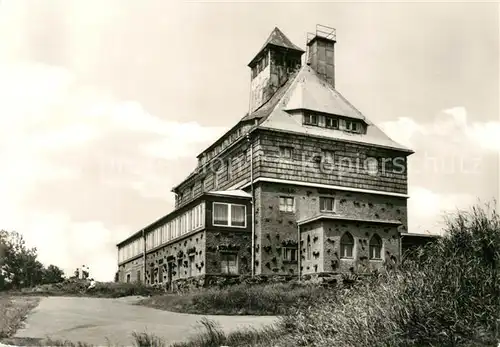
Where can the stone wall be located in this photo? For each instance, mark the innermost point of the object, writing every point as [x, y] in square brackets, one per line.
[312, 236]
[273, 226]
[235, 241]
[187, 256]
[362, 233]
[134, 268]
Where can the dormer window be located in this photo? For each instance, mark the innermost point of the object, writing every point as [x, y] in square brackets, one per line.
[332, 123]
[310, 119]
[351, 126]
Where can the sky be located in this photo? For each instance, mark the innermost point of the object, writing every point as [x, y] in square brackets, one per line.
[104, 105]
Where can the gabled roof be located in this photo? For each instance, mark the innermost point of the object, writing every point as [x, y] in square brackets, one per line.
[278, 39]
[307, 90]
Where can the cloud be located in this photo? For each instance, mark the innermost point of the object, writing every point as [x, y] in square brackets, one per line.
[428, 210]
[454, 165]
[73, 147]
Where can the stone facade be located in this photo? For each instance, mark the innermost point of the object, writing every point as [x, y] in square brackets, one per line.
[308, 146]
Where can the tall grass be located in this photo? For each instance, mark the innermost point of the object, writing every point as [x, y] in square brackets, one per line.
[446, 294]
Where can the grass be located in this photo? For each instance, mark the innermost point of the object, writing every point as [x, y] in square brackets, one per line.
[13, 312]
[79, 288]
[257, 299]
[140, 340]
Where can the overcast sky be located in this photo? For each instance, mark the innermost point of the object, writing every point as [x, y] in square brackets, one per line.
[105, 104]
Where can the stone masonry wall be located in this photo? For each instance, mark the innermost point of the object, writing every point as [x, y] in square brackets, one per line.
[273, 226]
[237, 241]
[362, 233]
[313, 235]
[134, 268]
[179, 253]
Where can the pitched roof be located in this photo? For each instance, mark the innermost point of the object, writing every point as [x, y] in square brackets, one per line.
[277, 38]
[307, 90]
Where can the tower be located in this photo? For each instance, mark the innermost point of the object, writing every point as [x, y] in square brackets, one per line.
[271, 67]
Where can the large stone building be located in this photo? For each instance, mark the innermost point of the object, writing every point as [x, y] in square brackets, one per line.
[303, 184]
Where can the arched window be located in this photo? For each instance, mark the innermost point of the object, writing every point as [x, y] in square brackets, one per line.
[375, 247]
[308, 246]
[346, 246]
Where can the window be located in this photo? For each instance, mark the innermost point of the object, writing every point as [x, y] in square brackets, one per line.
[192, 266]
[351, 126]
[290, 254]
[286, 152]
[311, 119]
[202, 185]
[179, 266]
[128, 278]
[346, 246]
[138, 278]
[192, 192]
[232, 215]
[375, 247]
[308, 247]
[229, 263]
[331, 122]
[286, 204]
[238, 215]
[160, 274]
[326, 204]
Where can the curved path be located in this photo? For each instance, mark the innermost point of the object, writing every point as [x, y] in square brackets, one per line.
[92, 320]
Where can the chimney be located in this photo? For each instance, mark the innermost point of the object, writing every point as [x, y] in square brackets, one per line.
[320, 52]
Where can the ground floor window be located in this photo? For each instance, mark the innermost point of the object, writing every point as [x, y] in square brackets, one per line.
[376, 247]
[229, 263]
[138, 276]
[346, 246]
[192, 266]
[128, 278]
[289, 254]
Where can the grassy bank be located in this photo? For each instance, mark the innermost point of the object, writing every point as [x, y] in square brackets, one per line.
[79, 288]
[262, 299]
[13, 312]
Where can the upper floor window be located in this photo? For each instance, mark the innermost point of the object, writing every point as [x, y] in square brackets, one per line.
[326, 204]
[286, 152]
[232, 215]
[352, 126]
[286, 204]
[331, 122]
[346, 246]
[310, 119]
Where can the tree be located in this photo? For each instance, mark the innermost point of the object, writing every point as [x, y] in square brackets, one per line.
[19, 266]
[53, 274]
